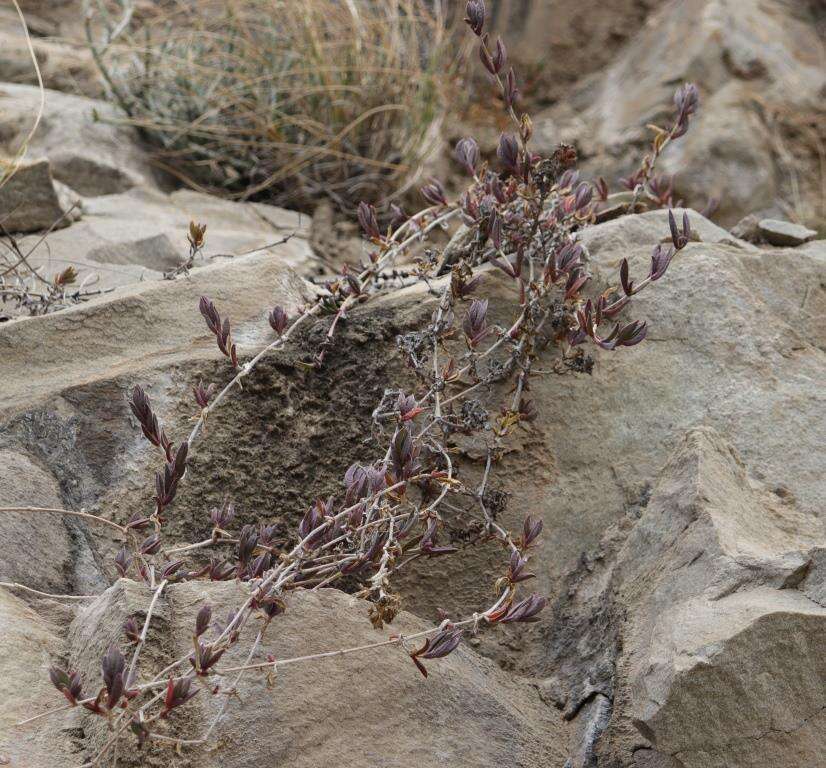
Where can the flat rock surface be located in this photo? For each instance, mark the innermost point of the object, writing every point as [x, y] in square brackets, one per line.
[137, 236]
[152, 323]
[777, 232]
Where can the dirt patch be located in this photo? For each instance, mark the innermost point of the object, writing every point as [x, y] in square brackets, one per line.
[288, 438]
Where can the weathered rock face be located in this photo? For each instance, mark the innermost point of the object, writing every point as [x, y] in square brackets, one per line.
[725, 349]
[46, 562]
[709, 613]
[736, 343]
[557, 44]
[31, 643]
[374, 707]
[760, 68]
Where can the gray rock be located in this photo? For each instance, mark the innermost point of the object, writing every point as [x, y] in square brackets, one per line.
[785, 233]
[140, 234]
[63, 66]
[632, 232]
[467, 713]
[32, 201]
[813, 584]
[728, 153]
[718, 656]
[87, 149]
[43, 555]
[154, 320]
[590, 32]
[747, 228]
[651, 758]
[31, 644]
[736, 343]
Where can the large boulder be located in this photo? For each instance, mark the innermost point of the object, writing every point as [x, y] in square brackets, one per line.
[735, 342]
[699, 625]
[127, 227]
[372, 706]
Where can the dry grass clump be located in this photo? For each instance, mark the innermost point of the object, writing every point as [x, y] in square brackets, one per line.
[280, 99]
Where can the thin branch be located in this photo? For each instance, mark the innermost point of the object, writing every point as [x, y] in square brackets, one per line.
[68, 513]
[142, 639]
[15, 585]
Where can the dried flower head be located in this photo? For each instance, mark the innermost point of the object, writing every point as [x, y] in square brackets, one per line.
[475, 16]
[196, 235]
[66, 277]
